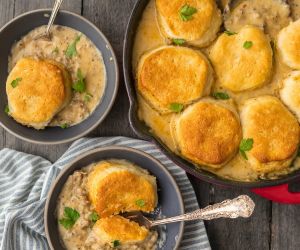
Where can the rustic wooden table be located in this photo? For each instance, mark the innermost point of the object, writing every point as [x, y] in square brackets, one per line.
[272, 226]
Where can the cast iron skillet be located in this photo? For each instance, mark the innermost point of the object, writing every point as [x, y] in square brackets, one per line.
[142, 131]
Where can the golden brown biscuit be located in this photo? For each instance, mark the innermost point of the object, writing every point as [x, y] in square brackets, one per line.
[198, 29]
[37, 90]
[207, 133]
[109, 195]
[112, 228]
[243, 61]
[289, 44]
[274, 130]
[290, 94]
[172, 74]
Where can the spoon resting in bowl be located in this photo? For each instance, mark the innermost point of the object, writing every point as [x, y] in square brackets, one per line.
[47, 34]
[242, 206]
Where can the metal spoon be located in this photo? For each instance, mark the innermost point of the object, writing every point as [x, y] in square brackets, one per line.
[242, 206]
[47, 34]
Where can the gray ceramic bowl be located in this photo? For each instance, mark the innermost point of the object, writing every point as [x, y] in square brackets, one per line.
[19, 27]
[170, 200]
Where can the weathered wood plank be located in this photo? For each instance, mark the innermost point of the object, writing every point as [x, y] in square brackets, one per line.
[285, 227]
[22, 6]
[252, 233]
[111, 18]
[6, 11]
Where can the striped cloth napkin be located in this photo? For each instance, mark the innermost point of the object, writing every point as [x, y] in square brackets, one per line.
[25, 180]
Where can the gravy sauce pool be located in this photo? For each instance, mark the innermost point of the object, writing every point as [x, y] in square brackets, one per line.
[88, 59]
[148, 37]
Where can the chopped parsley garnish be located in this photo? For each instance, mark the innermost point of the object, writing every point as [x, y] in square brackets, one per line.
[64, 126]
[71, 50]
[94, 217]
[6, 109]
[229, 33]
[186, 12]
[116, 243]
[248, 44]
[176, 107]
[178, 41]
[79, 85]
[70, 217]
[221, 96]
[15, 82]
[246, 145]
[140, 203]
[55, 51]
[87, 97]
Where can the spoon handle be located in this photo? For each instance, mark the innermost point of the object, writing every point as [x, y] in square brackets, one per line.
[54, 12]
[242, 206]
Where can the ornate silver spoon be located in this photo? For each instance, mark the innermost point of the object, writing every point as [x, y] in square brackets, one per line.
[242, 206]
[47, 34]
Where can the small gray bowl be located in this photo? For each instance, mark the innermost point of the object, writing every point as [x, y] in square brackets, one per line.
[169, 196]
[20, 26]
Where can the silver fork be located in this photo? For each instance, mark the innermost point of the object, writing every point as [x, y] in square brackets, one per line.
[47, 34]
[242, 206]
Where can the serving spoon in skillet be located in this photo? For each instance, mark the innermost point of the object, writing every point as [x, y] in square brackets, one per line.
[242, 206]
[47, 34]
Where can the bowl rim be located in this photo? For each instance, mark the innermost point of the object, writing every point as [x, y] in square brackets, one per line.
[142, 130]
[108, 148]
[115, 92]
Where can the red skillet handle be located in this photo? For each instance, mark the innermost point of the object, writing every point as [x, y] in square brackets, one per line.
[286, 193]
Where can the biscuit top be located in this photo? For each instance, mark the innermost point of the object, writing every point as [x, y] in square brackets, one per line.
[118, 228]
[192, 29]
[290, 94]
[173, 75]
[274, 130]
[115, 187]
[208, 133]
[242, 61]
[39, 92]
[289, 44]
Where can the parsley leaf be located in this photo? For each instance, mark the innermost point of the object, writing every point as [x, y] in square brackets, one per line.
[186, 12]
[221, 96]
[6, 109]
[64, 126]
[79, 85]
[246, 145]
[15, 82]
[66, 223]
[94, 217]
[140, 203]
[116, 243]
[70, 217]
[178, 41]
[71, 50]
[229, 33]
[248, 44]
[88, 97]
[176, 107]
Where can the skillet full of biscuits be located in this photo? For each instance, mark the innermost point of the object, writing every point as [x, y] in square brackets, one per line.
[215, 85]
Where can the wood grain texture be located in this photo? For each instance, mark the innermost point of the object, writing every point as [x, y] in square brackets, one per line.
[111, 18]
[272, 226]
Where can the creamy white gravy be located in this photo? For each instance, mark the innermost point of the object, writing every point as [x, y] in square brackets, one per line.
[148, 37]
[88, 59]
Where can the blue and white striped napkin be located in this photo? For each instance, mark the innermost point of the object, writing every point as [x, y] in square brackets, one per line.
[25, 180]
